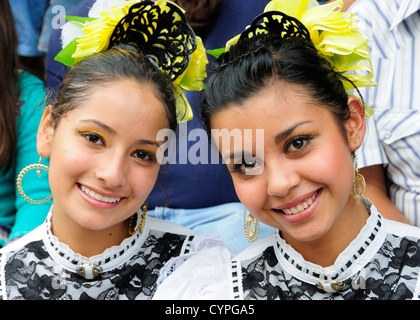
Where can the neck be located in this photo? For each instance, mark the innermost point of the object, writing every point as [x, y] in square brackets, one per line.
[325, 250]
[86, 242]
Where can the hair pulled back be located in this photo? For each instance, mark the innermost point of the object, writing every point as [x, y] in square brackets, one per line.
[116, 64]
[255, 63]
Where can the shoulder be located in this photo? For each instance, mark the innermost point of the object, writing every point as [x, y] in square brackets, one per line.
[169, 227]
[400, 229]
[32, 90]
[168, 234]
[257, 248]
[391, 227]
[28, 80]
[20, 243]
[359, 6]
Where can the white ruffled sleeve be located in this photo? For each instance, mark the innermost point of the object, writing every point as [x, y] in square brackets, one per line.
[203, 274]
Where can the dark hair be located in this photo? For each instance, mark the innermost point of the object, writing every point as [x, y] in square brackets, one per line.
[8, 85]
[117, 63]
[253, 64]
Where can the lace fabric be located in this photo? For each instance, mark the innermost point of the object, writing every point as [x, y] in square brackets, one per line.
[381, 263]
[108, 260]
[40, 267]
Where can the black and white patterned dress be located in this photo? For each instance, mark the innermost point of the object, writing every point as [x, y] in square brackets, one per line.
[382, 262]
[38, 266]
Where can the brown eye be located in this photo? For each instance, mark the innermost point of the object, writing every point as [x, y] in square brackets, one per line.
[144, 155]
[248, 166]
[93, 138]
[298, 143]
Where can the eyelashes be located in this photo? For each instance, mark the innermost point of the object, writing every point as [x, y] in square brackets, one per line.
[145, 155]
[251, 166]
[96, 139]
[297, 143]
[93, 138]
[247, 166]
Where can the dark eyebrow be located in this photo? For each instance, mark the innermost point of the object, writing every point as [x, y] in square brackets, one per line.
[113, 132]
[102, 125]
[283, 135]
[149, 142]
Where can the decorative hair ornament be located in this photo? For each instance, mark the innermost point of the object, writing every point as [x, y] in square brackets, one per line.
[334, 34]
[157, 29]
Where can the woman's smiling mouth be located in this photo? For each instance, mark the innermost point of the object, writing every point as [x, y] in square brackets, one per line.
[97, 196]
[98, 200]
[302, 206]
[301, 210]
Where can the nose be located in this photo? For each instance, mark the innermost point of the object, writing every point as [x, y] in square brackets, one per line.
[281, 179]
[112, 170]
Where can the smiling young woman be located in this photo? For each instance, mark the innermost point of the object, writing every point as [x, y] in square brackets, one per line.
[100, 137]
[103, 162]
[331, 243]
[307, 167]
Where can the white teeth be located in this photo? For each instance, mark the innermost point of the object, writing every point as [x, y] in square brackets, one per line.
[301, 206]
[97, 196]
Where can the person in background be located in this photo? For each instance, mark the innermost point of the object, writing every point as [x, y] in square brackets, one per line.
[23, 102]
[390, 156]
[54, 18]
[29, 17]
[199, 195]
[346, 3]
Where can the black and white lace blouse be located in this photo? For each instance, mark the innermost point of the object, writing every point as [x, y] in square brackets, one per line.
[39, 266]
[382, 262]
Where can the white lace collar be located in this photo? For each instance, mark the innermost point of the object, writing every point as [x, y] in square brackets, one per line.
[108, 260]
[349, 262]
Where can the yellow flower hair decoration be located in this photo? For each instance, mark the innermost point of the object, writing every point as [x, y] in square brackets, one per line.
[334, 34]
[157, 29]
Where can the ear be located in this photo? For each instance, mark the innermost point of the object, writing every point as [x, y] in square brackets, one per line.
[356, 123]
[45, 134]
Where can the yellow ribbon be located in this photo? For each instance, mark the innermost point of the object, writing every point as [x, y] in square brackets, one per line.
[97, 36]
[335, 34]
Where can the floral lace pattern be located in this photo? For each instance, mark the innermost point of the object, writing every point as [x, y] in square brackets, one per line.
[31, 273]
[392, 274]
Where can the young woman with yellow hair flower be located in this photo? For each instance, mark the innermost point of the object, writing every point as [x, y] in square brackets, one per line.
[288, 74]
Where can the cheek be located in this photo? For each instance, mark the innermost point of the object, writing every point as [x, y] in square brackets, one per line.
[334, 166]
[252, 193]
[68, 162]
[142, 180]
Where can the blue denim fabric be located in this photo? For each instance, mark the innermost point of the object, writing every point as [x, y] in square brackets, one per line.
[54, 18]
[226, 219]
[29, 15]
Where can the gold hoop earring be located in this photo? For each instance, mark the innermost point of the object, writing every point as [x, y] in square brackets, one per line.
[359, 183]
[251, 227]
[38, 166]
[142, 222]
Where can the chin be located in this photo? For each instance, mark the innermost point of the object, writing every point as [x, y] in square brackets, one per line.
[307, 234]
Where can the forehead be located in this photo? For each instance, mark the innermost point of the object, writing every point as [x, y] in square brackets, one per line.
[123, 103]
[277, 103]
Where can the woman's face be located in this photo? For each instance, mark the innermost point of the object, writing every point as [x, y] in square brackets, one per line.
[103, 154]
[302, 180]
